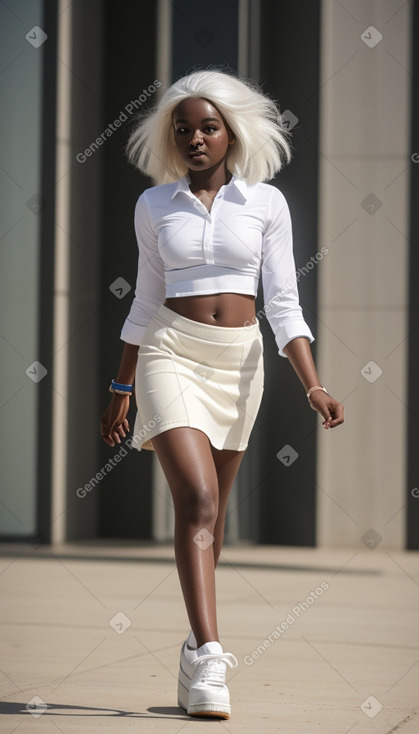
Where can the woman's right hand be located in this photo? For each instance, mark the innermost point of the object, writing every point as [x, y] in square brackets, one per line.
[114, 421]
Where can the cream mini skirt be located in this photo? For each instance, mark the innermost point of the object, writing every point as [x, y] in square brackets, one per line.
[198, 375]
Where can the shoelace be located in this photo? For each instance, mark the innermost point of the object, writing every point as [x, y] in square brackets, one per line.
[214, 672]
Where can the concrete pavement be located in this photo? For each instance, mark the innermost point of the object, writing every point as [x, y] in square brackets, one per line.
[327, 640]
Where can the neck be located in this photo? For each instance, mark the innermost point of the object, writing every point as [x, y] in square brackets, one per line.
[211, 179]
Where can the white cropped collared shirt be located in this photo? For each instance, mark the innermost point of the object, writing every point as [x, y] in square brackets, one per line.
[185, 250]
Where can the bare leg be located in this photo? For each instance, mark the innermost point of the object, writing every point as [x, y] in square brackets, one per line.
[188, 464]
[227, 464]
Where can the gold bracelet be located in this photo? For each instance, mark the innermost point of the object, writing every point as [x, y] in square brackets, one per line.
[316, 387]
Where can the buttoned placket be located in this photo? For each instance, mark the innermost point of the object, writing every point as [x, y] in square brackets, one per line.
[207, 235]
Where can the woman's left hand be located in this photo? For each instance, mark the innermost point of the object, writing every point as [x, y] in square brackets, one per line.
[328, 407]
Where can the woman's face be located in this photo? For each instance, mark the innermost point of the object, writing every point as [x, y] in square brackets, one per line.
[202, 137]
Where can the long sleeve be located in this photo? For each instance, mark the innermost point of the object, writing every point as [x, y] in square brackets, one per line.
[280, 291]
[150, 287]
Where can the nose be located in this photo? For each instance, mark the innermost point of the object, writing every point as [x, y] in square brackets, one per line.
[196, 138]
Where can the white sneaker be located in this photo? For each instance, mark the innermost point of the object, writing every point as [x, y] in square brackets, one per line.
[202, 689]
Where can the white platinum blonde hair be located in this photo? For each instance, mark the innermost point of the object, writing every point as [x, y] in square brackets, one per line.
[260, 146]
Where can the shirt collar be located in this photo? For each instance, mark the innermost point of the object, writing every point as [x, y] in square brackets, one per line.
[183, 185]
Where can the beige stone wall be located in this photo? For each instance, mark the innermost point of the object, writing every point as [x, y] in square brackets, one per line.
[363, 286]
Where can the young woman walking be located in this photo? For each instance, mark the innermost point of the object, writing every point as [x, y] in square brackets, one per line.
[206, 233]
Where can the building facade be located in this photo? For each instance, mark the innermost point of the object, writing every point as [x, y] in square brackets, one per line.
[74, 77]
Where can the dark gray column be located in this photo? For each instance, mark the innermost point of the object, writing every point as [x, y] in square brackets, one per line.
[46, 271]
[85, 269]
[129, 67]
[289, 71]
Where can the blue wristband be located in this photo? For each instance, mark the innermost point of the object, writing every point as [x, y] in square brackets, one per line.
[120, 388]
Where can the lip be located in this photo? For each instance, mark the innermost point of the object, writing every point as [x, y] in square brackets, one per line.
[196, 155]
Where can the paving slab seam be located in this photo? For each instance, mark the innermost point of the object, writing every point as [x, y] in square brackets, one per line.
[398, 726]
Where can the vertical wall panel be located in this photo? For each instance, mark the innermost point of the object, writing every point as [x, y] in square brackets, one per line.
[363, 294]
[412, 484]
[21, 207]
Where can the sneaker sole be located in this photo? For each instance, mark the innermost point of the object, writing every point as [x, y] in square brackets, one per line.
[203, 709]
[209, 709]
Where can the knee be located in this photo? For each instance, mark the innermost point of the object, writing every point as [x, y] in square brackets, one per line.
[197, 505]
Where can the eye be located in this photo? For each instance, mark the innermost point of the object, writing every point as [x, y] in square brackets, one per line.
[209, 129]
